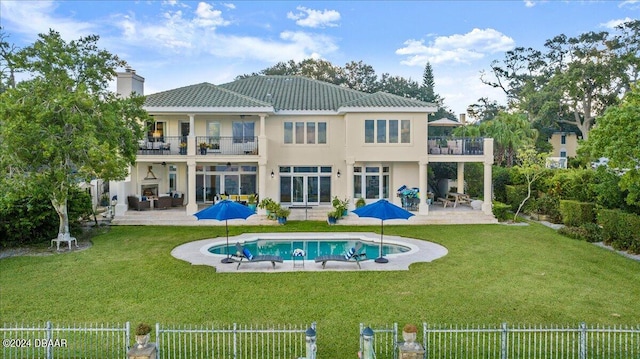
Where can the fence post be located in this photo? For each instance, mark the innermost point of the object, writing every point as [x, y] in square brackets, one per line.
[583, 341]
[127, 336]
[235, 341]
[395, 340]
[49, 328]
[310, 339]
[158, 340]
[503, 341]
[424, 339]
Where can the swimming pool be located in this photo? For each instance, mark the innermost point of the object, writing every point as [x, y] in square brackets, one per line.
[284, 247]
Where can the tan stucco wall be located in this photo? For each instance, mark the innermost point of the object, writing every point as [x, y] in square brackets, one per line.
[571, 146]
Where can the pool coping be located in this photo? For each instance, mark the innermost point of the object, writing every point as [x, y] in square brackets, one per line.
[197, 253]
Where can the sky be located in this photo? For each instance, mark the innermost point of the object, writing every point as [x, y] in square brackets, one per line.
[177, 43]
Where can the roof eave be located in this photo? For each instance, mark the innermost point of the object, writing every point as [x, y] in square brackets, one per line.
[388, 109]
[198, 109]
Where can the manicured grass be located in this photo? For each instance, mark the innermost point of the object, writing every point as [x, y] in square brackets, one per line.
[492, 274]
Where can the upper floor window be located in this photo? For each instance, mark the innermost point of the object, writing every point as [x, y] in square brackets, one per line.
[387, 131]
[305, 132]
[243, 132]
[156, 131]
[563, 139]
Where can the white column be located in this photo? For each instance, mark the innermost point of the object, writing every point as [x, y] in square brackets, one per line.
[460, 177]
[191, 139]
[263, 174]
[192, 206]
[488, 187]
[349, 190]
[422, 175]
[487, 193]
[262, 140]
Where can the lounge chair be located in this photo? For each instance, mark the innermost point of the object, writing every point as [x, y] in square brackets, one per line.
[244, 253]
[352, 255]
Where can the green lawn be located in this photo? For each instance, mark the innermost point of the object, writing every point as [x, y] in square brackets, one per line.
[492, 274]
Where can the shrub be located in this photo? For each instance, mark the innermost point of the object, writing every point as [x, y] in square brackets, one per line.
[501, 211]
[549, 206]
[32, 219]
[515, 196]
[575, 213]
[589, 232]
[501, 178]
[620, 229]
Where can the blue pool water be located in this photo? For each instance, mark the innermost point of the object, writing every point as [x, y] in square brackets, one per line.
[312, 248]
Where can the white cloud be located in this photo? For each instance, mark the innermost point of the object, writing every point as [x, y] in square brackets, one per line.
[633, 4]
[314, 18]
[208, 17]
[611, 24]
[37, 17]
[457, 48]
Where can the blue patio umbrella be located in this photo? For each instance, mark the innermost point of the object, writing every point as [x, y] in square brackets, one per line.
[382, 210]
[224, 211]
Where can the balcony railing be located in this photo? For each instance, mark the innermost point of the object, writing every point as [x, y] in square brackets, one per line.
[227, 145]
[456, 145]
[205, 145]
[164, 145]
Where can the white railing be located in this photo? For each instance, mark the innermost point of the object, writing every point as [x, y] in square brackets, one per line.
[235, 341]
[46, 340]
[515, 342]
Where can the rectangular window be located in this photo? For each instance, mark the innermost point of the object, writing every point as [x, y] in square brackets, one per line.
[357, 186]
[322, 132]
[243, 132]
[311, 132]
[247, 184]
[563, 140]
[372, 187]
[299, 132]
[393, 131]
[405, 134]
[288, 132]
[382, 131]
[368, 131]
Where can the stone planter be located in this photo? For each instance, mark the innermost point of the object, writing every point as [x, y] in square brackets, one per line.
[142, 340]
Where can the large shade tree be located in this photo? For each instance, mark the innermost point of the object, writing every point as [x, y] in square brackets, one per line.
[574, 79]
[617, 138]
[63, 125]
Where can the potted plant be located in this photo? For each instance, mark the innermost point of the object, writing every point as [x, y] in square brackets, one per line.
[409, 334]
[143, 331]
[269, 205]
[282, 214]
[203, 148]
[183, 148]
[360, 202]
[332, 217]
[340, 206]
[251, 202]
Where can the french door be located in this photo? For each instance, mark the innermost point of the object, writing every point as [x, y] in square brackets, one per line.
[305, 185]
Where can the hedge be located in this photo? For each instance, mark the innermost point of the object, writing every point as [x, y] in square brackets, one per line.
[575, 214]
[620, 229]
[501, 211]
[515, 196]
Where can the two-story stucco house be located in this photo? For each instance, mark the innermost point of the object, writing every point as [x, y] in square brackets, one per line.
[296, 140]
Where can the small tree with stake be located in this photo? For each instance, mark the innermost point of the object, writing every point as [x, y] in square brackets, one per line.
[531, 166]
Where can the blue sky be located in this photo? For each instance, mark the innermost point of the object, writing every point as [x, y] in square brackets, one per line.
[178, 43]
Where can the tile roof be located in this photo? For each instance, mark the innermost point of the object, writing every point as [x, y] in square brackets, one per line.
[294, 92]
[201, 95]
[281, 93]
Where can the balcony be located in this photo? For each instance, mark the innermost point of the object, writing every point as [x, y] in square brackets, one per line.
[456, 146]
[226, 145]
[205, 146]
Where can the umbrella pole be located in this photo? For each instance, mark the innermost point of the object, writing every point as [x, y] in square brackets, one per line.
[228, 259]
[380, 258]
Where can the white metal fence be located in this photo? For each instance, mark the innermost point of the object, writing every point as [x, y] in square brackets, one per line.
[515, 342]
[46, 340]
[21, 341]
[236, 342]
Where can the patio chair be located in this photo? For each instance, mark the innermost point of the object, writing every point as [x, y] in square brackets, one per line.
[163, 202]
[352, 255]
[135, 203]
[244, 253]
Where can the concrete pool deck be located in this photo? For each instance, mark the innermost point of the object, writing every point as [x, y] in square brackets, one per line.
[196, 253]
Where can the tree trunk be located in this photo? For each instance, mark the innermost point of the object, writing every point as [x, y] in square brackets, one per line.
[63, 215]
[524, 200]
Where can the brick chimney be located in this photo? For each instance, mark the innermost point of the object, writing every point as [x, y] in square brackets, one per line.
[129, 82]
